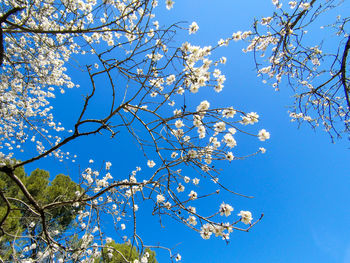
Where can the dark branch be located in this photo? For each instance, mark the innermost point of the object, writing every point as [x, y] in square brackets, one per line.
[343, 71]
[2, 20]
[6, 214]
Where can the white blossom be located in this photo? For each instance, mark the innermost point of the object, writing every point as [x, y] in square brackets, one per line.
[151, 163]
[192, 195]
[193, 28]
[229, 140]
[195, 181]
[263, 135]
[192, 220]
[229, 156]
[160, 198]
[180, 188]
[169, 4]
[225, 209]
[246, 217]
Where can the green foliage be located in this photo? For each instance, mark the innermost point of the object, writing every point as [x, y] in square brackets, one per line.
[152, 256]
[123, 253]
[62, 188]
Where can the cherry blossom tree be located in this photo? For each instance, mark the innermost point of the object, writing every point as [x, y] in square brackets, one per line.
[288, 51]
[147, 78]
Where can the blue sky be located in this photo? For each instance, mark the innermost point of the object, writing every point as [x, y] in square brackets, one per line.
[301, 184]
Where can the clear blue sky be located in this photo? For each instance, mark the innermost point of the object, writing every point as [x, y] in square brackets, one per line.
[301, 184]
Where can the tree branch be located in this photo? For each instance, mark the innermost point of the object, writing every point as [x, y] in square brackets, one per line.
[2, 20]
[343, 71]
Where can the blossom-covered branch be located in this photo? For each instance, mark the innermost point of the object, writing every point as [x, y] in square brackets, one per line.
[287, 52]
[147, 80]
